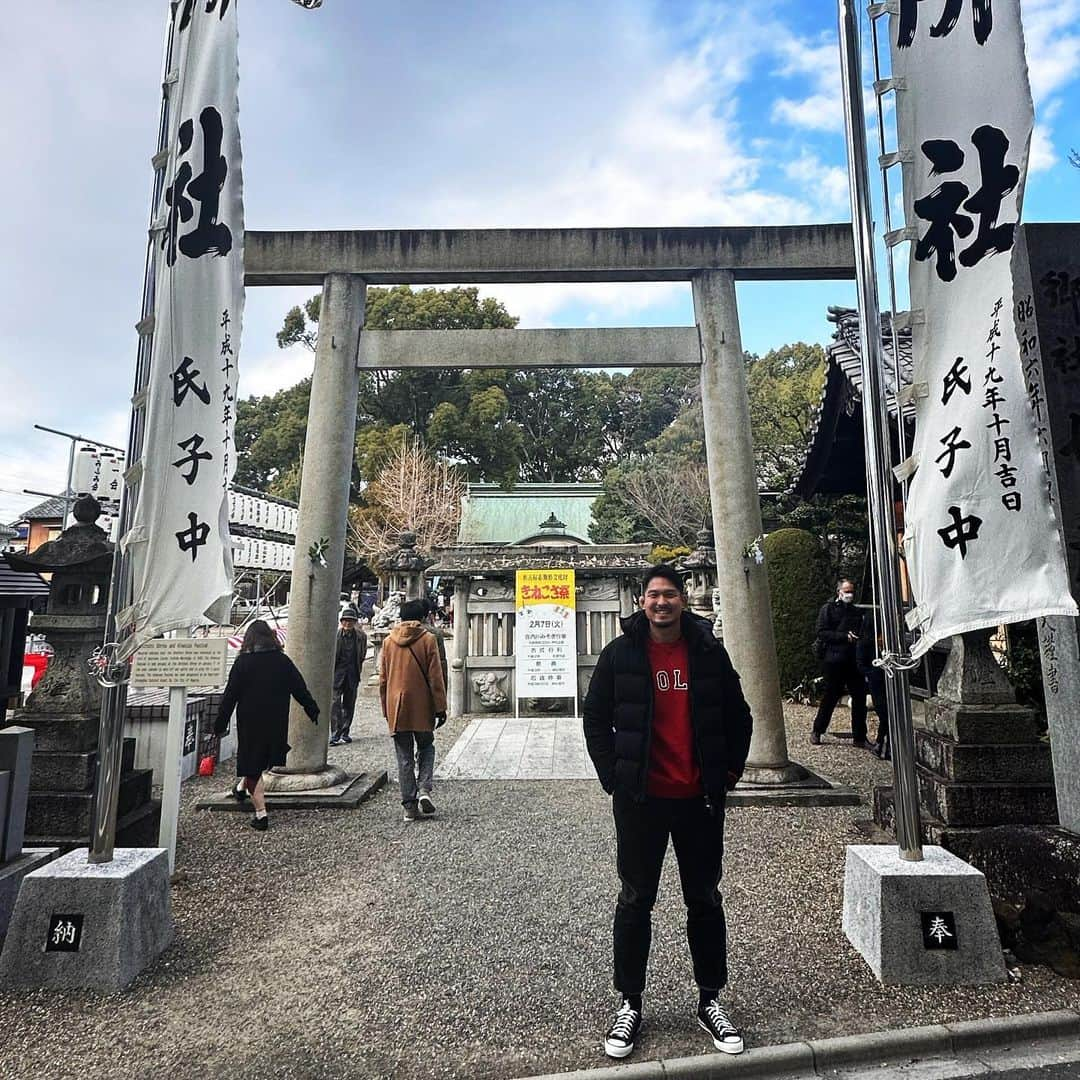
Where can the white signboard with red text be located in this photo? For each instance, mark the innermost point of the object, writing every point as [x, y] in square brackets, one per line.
[545, 634]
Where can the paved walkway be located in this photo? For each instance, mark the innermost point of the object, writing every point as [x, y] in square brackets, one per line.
[529, 748]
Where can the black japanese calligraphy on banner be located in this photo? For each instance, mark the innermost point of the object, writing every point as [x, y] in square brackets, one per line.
[941, 207]
[208, 235]
[982, 19]
[978, 501]
[179, 540]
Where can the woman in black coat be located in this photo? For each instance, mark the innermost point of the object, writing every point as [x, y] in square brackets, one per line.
[260, 684]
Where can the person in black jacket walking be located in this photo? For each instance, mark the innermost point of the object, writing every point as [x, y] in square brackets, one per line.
[839, 623]
[260, 684]
[668, 730]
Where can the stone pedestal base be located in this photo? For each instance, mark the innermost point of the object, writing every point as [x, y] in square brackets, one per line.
[124, 913]
[326, 777]
[885, 901]
[11, 876]
[790, 773]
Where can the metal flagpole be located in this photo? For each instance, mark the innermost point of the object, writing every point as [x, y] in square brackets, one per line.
[113, 676]
[879, 483]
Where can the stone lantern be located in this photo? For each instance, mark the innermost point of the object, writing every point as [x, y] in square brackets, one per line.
[701, 564]
[80, 562]
[404, 569]
[64, 709]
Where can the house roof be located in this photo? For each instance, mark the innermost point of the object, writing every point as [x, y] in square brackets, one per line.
[491, 515]
[834, 462]
[598, 558]
[20, 585]
[50, 508]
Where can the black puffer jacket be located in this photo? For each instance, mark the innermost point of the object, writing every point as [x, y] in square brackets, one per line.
[618, 712]
[834, 622]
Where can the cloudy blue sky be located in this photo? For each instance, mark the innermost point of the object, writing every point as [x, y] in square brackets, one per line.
[421, 113]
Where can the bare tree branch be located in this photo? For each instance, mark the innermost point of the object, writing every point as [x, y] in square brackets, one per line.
[673, 496]
[413, 492]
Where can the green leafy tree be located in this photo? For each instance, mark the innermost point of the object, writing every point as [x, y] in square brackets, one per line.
[799, 583]
[270, 431]
[783, 388]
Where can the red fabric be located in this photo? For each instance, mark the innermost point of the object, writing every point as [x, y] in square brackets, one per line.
[39, 662]
[673, 767]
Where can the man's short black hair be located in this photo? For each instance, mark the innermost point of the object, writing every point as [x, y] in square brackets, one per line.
[665, 571]
[414, 611]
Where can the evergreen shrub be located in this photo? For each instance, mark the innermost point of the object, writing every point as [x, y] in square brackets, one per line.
[799, 583]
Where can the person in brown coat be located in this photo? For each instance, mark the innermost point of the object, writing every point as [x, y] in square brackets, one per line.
[412, 688]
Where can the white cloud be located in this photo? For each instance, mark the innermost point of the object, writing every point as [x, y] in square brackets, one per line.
[827, 184]
[1042, 157]
[267, 372]
[817, 64]
[1053, 45]
[819, 112]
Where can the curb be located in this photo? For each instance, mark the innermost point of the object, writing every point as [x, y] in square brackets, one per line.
[845, 1051]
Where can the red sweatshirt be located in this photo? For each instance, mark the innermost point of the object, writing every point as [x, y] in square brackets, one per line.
[673, 767]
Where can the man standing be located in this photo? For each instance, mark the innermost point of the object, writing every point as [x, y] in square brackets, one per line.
[350, 652]
[412, 687]
[668, 730]
[839, 623]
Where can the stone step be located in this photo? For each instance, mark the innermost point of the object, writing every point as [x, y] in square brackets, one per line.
[980, 723]
[954, 839]
[1022, 763]
[58, 770]
[138, 828]
[66, 813]
[958, 840]
[71, 734]
[972, 805]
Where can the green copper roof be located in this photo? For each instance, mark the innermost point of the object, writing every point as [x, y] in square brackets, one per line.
[493, 516]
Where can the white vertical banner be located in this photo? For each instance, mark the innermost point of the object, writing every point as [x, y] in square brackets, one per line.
[981, 540]
[179, 538]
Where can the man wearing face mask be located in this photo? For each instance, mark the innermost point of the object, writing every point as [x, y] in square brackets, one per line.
[838, 626]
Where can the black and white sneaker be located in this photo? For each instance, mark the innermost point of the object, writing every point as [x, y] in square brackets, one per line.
[619, 1041]
[726, 1037]
[425, 804]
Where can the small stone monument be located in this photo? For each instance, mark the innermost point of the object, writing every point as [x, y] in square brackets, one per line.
[16, 750]
[79, 924]
[931, 922]
[927, 923]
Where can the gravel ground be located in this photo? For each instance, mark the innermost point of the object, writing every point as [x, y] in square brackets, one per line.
[476, 944]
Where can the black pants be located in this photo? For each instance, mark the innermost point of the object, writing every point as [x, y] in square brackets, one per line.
[642, 831]
[343, 702]
[843, 678]
[875, 683]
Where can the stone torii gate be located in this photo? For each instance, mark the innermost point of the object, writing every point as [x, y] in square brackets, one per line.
[711, 259]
